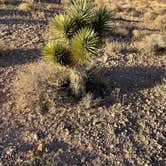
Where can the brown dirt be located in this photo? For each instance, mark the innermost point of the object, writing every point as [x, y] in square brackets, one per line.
[129, 130]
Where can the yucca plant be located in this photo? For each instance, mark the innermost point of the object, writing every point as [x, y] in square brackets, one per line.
[81, 12]
[100, 22]
[62, 27]
[77, 36]
[84, 46]
[57, 53]
[81, 28]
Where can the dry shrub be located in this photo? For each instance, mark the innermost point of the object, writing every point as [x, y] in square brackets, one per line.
[136, 34]
[43, 87]
[40, 87]
[160, 21]
[1, 47]
[121, 32]
[114, 48]
[150, 16]
[24, 7]
[153, 44]
[113, 6]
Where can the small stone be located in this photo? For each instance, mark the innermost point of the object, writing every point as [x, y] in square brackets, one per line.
[40, 147]
[129, 58]
[9, 151]
[126, 155]
[35, 137]
[136, 34]
[30, 154]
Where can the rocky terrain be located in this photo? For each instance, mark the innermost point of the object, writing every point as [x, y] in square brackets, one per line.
[127, 128]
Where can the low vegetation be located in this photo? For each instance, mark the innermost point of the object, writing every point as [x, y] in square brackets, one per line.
[96, 96]
[1, 47]
[77, 34]
[77, 37]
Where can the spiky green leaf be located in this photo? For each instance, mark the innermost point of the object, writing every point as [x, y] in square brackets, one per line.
[62, 27]
[84, 46]
[81, 12]
[56, 53]
[100, 21]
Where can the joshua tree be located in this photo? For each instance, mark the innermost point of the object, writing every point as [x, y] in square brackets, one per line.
[77, 34]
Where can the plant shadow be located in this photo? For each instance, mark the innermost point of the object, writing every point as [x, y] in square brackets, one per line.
[19, 56]
[127, 80]
[22, 21]
[126, 27]
[58, 153]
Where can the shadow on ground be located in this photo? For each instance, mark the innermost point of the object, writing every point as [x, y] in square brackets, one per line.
[126, 79]
[58, 153]
[126, 29]
[22, 21]
[18, 56]
[17, 2]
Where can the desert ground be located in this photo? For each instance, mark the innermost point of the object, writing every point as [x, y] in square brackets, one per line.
[125, 126]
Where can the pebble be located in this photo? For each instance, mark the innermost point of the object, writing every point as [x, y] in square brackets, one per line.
[40, 147]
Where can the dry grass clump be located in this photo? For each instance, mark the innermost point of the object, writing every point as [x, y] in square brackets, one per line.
[43, 87]
[136, 34]
[151, 15]
[1, 47]
[39, 86]
[160, 21]
[24, 7]
[113, 7]
[154, 44]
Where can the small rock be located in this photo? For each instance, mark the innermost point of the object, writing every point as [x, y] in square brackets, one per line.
[135, 34]
[30, 154]
[35, 137]
[126, 155]
[24, 7]
[129, 57]
[40, 148]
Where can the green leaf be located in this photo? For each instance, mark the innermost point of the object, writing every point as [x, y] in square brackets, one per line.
[100, 22]
[81, 12]
[62, 27]
[56, 53]
[84, 46]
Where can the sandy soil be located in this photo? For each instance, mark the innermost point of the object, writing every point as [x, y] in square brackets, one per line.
[128, 131]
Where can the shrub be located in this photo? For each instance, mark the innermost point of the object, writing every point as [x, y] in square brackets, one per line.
[83, 46]
[81, 29]
[1, 47]
[153, 44]
[40, 87]
[57, 53]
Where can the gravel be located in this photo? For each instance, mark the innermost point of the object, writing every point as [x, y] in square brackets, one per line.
[130, 131]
